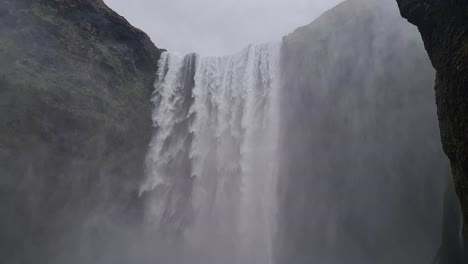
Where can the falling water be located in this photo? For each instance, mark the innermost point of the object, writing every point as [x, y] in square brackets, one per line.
[213, 156]
[322, 149]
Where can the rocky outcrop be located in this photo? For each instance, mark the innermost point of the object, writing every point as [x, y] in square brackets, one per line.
[443, 25]
[75, 122]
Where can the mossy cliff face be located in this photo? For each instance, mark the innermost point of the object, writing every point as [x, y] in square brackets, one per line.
[444, 27]
[75, 122]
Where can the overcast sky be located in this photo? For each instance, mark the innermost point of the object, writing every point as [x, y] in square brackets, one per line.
[217, 27]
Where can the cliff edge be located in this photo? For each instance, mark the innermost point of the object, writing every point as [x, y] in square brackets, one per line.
[443, 25]
[75, 83]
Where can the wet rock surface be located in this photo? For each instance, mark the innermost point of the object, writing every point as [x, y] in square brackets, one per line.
[443, 25]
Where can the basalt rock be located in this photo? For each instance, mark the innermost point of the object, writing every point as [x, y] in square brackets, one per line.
[443, 25]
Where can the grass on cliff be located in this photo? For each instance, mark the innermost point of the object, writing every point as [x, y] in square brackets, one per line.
[44, 13]
[8, 56]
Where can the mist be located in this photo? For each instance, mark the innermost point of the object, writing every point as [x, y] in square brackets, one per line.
[354, 156]
[256, 132]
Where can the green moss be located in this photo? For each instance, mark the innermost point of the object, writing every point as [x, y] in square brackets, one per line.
[44, 13]
[465, 48]
[68, 98]
[111, 60]
[71, 40]
[8, 55]
[18, 112]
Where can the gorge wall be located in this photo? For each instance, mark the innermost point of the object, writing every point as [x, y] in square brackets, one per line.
[75, 83]
[444, 29]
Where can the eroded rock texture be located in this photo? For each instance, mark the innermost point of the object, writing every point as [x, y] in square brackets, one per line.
[444, 28]
[75, 122]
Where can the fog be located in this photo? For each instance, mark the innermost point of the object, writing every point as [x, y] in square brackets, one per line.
[362, 170]
[285, 138]
[346, 132]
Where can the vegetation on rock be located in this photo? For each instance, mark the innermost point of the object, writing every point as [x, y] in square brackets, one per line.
[75, 84]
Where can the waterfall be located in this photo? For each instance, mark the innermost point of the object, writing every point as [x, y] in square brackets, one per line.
[212, 165]
[323, 148]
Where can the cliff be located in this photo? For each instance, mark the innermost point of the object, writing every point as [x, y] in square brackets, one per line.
[363, 173]
[75, 122]
[443, 25]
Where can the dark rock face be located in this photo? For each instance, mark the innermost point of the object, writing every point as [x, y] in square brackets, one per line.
[75, 122]
[444, 28]
[363, 173]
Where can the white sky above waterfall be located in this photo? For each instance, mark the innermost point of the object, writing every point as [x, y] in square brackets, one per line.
[217, 27]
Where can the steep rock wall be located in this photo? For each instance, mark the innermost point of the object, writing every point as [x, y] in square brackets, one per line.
[75, 83]
[444, 28]
[443, 25]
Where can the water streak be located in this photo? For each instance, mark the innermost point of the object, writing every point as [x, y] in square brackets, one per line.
[212, 162]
